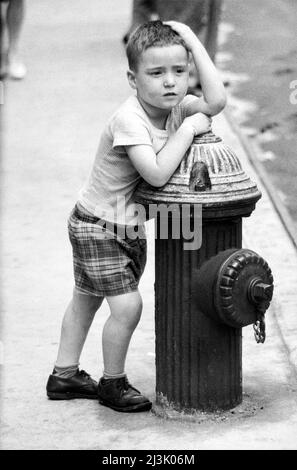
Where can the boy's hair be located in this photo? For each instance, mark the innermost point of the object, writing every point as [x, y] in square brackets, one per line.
[150, 34]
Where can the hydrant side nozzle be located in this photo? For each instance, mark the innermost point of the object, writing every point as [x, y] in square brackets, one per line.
[236, 283]
[238, 270]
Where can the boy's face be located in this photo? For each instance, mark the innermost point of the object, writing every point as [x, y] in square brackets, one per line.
[161, 79]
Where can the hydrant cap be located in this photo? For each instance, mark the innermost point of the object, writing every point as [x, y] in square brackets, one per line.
[210, 174]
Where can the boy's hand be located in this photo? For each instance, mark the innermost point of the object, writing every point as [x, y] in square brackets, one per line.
[185, 32]
[199, 123]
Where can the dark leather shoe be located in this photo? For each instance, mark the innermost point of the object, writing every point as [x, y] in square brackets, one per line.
[125, 39]
[119, 395]
[81, 385]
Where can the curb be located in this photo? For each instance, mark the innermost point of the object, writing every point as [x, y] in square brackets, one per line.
[252, 149]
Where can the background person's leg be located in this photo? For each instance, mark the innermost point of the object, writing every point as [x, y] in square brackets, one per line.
[141, 13]
[14, 22]
[191, 12]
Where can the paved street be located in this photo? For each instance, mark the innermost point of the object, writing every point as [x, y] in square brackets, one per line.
[52, 123]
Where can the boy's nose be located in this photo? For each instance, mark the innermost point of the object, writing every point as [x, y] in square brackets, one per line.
[169, 80]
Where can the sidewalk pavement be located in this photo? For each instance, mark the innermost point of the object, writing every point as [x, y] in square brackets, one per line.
[53, 120]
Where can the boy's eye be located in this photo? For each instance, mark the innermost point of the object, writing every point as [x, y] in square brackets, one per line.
[157, 73]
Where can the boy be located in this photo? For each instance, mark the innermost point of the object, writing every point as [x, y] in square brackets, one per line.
[146, 137]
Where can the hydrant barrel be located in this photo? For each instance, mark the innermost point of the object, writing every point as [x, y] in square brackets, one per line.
[198, 360]
[198, 356]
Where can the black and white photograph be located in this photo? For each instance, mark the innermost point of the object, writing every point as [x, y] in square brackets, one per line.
[148, 243]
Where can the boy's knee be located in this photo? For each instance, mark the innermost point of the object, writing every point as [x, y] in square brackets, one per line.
[136, 302]
[126, 308]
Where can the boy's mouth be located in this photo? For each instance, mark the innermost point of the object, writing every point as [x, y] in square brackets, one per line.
[170, 94]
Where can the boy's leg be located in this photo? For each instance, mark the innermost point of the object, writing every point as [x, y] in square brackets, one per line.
[67, 381]
[15, 17]
[125, 312]
[75, 326]
[114, 389]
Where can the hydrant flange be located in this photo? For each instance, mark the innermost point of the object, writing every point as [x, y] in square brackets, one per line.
[233, 286]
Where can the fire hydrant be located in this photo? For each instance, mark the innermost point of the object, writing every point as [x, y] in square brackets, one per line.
[204, 296]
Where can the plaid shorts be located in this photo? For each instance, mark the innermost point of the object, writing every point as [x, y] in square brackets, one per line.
[104, 263]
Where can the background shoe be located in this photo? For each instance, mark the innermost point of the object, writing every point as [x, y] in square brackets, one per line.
[119, 395]
[125, 39]
[81, 385]
[16, 70]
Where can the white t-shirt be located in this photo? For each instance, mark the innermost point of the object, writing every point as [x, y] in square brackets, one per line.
[108, 193]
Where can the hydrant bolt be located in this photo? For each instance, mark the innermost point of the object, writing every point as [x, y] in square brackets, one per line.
[259, 291]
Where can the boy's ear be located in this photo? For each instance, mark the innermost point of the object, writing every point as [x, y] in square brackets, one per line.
[131, 79]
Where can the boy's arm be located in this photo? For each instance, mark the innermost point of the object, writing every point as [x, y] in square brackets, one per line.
[157, 169]
[214, 96]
